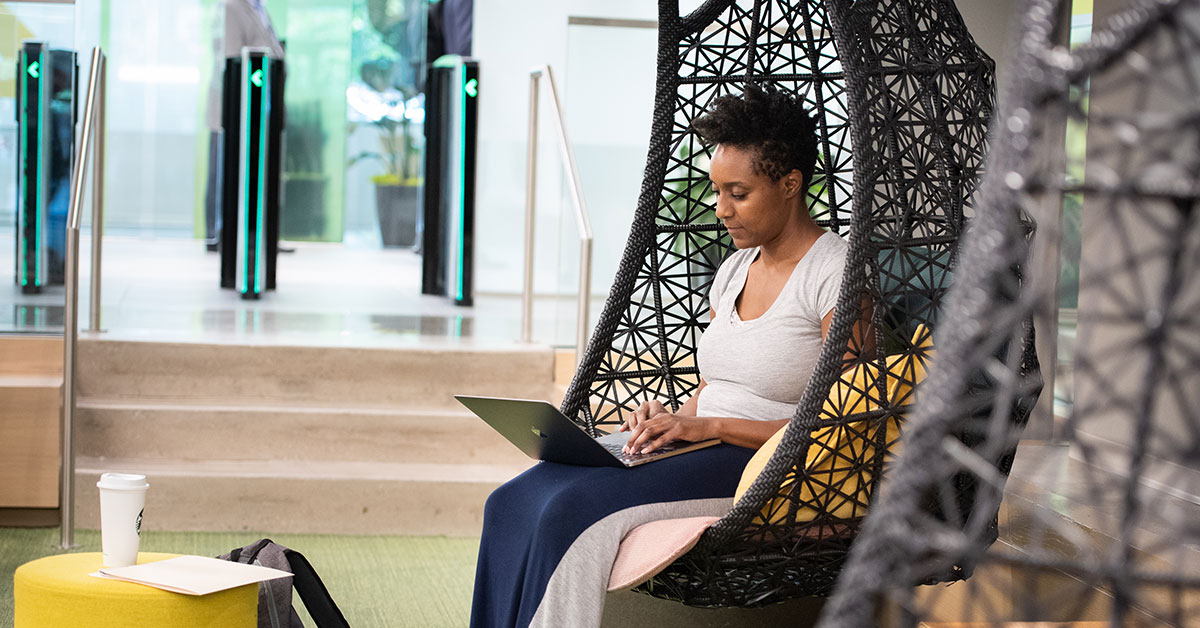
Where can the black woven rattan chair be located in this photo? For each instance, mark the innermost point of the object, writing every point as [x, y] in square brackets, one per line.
[1106, 527]
[903, 97]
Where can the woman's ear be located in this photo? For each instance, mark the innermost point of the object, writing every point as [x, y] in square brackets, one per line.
[793, 183]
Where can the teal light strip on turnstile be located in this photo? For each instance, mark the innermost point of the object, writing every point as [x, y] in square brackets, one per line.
[23, 127]
[260, 235]
[30, 162]
[249, 87]
[37, 181]
[462, 184]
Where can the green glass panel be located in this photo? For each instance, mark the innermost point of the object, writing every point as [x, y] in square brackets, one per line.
[317, 34]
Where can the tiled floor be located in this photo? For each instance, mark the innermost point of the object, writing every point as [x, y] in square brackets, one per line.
[328, 294]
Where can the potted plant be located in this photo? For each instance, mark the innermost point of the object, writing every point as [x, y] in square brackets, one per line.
[304, 178]
[389, 99]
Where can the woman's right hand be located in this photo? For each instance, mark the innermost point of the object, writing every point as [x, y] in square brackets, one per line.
[644, 412]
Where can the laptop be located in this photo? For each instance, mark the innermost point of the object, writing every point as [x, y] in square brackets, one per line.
[543, 433]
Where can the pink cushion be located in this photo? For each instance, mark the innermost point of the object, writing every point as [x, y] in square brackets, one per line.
[650, 547]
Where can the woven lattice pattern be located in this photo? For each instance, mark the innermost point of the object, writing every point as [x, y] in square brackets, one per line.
[902, 96]
[1103, 526]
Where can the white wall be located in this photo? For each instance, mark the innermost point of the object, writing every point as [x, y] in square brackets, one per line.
[606, 78]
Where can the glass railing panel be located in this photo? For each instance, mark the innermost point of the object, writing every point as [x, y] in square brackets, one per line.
[608, 97]
[37, 89]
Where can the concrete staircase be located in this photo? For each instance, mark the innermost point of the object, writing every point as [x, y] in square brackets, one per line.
[300, 439]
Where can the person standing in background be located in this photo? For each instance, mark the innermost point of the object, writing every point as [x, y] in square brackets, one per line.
[242, 23]
[450, 26]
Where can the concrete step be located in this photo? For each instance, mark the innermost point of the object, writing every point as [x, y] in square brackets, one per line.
[30, 408]
[301, 439]
[125, 429]
[308, 497]
[215, 374]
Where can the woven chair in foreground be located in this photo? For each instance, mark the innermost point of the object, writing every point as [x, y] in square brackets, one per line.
[1103, 526]
[902, 96]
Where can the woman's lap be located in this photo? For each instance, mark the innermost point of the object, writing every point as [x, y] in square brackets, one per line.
[531, 521]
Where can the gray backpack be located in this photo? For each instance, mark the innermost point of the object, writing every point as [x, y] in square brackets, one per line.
[275, 596]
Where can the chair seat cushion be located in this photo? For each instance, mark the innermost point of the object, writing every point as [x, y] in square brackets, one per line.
[654, 545]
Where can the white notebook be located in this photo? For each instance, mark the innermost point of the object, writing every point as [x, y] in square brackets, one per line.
[193, 575]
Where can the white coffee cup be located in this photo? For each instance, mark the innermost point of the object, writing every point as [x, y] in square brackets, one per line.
[122, 500]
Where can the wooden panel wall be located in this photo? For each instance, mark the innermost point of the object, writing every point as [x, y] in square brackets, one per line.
[30, 415]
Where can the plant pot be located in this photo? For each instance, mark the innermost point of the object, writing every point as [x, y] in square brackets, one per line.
[396, 206]
[303, 216]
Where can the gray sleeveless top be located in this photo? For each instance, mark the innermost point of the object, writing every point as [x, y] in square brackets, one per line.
[758, 369]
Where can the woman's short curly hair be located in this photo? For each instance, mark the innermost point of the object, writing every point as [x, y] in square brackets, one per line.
[771, 122]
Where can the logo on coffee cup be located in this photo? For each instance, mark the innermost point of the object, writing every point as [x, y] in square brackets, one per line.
[138, 525]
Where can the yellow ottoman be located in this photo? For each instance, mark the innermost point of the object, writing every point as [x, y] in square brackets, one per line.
[57, 592]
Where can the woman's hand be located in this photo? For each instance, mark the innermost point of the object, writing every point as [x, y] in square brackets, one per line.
[643, 413]
[664, 427]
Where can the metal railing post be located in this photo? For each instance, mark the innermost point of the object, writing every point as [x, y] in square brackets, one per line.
[98, 198]
[582, 325]
[71, 309]
[582, 221]
[530, 204]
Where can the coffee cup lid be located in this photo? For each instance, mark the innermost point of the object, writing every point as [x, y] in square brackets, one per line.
[123, 481]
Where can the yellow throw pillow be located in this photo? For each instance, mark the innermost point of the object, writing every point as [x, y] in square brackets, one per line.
[838, 449]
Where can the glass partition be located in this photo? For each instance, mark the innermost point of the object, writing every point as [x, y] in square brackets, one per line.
[352, 131]
[385, 117]
[316, 35]
[608, 97]
[37, 106]
[160, 68]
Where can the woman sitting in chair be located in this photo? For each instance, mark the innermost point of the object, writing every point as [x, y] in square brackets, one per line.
[550, 535]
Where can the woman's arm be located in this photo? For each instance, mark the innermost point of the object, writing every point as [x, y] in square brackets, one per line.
[862, 340]
[653, 426]
[666, 427]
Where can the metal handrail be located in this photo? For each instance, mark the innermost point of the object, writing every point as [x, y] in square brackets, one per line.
[98, 197]
[582, 221]
[71, 313]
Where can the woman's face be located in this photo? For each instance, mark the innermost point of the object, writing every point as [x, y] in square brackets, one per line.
[755, 209]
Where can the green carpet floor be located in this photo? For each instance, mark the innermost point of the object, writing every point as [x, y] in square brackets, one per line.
[377, 581]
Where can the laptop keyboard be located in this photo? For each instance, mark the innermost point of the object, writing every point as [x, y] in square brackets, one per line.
[618, 450]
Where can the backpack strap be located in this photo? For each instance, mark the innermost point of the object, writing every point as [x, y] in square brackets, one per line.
[316, 598]
[246, 554]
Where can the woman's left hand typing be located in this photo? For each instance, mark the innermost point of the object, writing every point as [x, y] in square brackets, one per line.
[665, 427]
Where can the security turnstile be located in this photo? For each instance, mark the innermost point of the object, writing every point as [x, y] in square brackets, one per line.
[45, 90]
[252, 117]
[451, 115]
